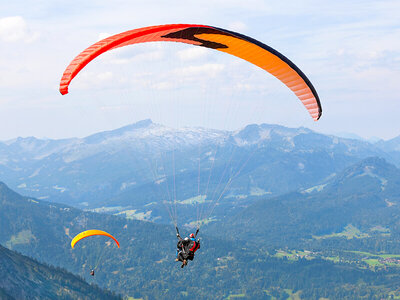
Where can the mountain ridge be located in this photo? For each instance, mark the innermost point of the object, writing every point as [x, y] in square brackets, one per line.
[25, 278]
[110, 167]
[365, 195]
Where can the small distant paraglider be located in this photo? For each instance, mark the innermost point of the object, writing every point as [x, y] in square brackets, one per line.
[92, 232]
[88, 233]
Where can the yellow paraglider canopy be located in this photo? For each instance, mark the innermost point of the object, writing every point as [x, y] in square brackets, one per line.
[92, 232]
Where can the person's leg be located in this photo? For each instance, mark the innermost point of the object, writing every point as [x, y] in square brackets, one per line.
[180, 256]
[183, 259]
[177, 254]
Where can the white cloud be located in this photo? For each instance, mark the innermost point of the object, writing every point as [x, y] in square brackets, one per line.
[246, 86]
[165, 85]
[237, 26]
[103, 35]
[146, 56]
[113, 107]
[94, 80]
[105, 76]
[135, 53]
[14, 29]
[189, 76]
[211, 70]
[192, 53]
[4, 101]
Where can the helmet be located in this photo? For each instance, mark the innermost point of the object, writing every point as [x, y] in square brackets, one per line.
[191, 235]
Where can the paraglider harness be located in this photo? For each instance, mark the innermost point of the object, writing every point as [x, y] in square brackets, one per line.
[183, 252]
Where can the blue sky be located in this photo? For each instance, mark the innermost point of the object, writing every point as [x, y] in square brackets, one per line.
[350, 50]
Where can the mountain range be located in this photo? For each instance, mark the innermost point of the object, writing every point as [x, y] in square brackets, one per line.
[135, 170]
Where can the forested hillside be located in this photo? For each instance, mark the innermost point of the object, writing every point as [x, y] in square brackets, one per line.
[144, 265]
[361, 202]
[24, 278]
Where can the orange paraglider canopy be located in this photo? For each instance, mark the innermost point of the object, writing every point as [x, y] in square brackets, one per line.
[92, 232]
[219, 39]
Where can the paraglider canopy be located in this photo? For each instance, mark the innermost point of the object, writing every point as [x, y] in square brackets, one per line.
[211, 37]
[92, 232]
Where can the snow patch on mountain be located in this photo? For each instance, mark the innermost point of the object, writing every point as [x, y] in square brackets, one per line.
[148, 137]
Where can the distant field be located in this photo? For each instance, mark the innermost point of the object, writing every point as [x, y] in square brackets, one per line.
[294, 254]
[236, 296]
[372, 260]
[377, 255]
[23, 237]
[349, 232]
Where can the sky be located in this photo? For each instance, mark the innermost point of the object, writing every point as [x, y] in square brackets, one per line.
[350, 51]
